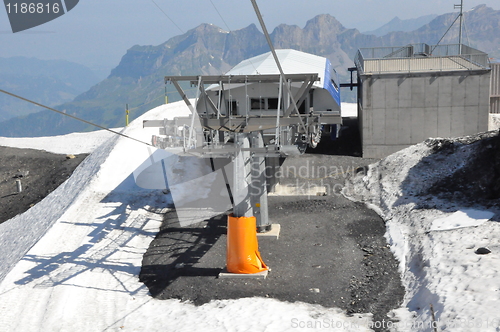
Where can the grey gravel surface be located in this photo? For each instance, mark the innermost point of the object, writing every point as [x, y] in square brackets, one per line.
[331, 252]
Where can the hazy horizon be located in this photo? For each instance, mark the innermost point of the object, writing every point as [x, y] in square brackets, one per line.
[98, 33]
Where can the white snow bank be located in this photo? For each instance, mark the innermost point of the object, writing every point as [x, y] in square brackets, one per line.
[494, 121]
[440, 270]
[349, 110]
[74, 143]
[82, 275]
[19, 234]
[247, 314]
[462, 218]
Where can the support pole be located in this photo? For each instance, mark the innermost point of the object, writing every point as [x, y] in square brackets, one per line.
[126, 116]
[243, 255]
[242, 178]
[461, 6]
[258, 186]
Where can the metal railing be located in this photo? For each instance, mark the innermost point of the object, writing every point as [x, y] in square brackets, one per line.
[420, 58]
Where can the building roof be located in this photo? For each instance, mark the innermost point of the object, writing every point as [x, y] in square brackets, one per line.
[292, 62]
[420, 58]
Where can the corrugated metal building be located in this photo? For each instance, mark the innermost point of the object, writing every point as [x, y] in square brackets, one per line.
[494, 119]
[495, 88]
[408, 94]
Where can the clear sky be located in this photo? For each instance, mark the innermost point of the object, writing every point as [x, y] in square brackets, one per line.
[97, 33]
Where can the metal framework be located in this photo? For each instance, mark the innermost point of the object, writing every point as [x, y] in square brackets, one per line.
[213, 131]
[294, 129]
[218, 128]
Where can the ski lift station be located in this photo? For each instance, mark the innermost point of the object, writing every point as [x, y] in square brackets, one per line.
[408, 94]
[279, 103]
[269, 106]
[251, 97]
[320, 93]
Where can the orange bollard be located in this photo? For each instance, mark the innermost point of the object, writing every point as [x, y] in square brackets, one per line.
[243, 255]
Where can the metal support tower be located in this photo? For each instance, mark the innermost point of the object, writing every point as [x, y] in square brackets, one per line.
[461, 6]
[258, 186]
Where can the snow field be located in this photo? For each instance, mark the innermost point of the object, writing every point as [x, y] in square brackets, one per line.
[74, 143]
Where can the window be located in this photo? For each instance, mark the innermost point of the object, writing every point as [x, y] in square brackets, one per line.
[302, 107]
[258, 104]
[232, 107]
[272, 103]
[263, 104]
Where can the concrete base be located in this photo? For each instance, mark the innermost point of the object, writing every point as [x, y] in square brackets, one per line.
[292, 190]
[273, 233]
[227, 275]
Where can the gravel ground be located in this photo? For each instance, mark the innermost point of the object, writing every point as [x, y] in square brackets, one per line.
[40, 173]
[331, 251]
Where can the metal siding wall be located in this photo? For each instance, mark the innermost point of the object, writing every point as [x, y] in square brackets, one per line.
[495, 105]
[495, 88]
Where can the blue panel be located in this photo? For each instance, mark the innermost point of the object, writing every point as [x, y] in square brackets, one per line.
[328, 84]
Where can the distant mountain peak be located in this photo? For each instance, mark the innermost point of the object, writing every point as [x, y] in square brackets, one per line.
[325, 20]
[397, 24]
[251, 28]
[481, 6]
[207, 26]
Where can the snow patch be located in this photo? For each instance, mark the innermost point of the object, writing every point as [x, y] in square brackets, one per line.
[349, 110]
[462, 218]
[74, 143]
[447, 284]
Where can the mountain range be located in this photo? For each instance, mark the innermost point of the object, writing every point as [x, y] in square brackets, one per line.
[50, 82]
[208, 49]
[397, 24]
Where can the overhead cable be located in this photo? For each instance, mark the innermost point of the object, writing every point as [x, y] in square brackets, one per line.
[167, 16]
[276, 59]
[73, 117]
[220, 16]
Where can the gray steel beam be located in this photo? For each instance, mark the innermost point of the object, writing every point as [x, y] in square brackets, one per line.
[258, 186]
[242, 178]
[299, 97]
[208, 100]
[243, 124]
[184, 96]
[278, 64]
[267, 78]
